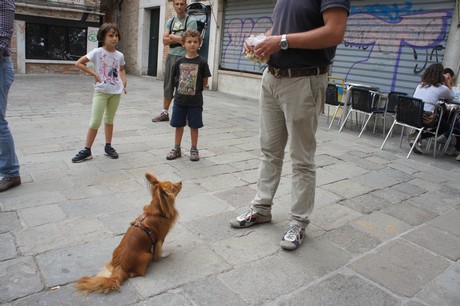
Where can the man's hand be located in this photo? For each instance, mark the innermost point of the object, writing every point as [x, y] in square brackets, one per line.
[270, 45]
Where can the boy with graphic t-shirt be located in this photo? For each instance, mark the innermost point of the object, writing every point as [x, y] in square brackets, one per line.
[191, 76]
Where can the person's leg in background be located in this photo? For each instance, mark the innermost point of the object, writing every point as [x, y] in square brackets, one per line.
[9, 165]
[168, 88]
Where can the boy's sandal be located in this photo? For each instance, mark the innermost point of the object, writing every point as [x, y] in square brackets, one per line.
[175, 153]
[194, 156]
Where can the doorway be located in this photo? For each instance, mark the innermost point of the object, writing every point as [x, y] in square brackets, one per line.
[154, 40]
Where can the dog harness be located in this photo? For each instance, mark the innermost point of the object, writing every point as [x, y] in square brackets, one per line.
[145, 229]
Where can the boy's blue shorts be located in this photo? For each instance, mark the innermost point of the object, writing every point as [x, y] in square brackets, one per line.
[187, 115]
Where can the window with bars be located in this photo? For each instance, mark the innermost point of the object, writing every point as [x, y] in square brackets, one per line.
[53, 42]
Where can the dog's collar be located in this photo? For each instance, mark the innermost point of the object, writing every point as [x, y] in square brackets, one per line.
[145, 229]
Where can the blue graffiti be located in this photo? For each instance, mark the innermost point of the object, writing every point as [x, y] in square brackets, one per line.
[392, 14]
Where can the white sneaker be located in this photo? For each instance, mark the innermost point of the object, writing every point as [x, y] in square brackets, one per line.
[458, 157]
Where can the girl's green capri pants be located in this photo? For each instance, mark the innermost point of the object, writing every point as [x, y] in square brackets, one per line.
[103, 105]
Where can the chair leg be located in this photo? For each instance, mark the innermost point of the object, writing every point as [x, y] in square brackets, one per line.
[388, 135]
[345, 120]
[415, 143]
[333, 116]
[402, 135]
[365, 124]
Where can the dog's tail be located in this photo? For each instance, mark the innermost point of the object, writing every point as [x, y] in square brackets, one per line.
[102, 284]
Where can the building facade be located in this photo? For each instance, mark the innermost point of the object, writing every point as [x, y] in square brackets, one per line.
[51, 35]
[387, 44]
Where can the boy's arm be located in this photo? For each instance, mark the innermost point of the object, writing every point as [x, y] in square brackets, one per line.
[123, 78]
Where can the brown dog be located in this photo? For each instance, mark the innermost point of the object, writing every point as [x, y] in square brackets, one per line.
[142, 242]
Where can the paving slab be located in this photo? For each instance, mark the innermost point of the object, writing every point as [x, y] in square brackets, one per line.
[391, 194]
[436, 240]
[379, 218]
[8, 247]
[401, 267]
[75, 262]
[348, 188]
[410, 213]
[178, 269]
[170, 298]
[333, 216]
[381, 226]
[448, 222]
[440, 200]
[211, 291]
[54, 235]
[351, 239]
[340, 290]
[66, 295]
[200, 205]
[9, 221]
[288, 271]
[44, 214]
[366, 203]
[18, 277]
[444, 289]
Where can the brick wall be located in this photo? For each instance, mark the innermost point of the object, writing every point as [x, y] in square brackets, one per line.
[48, 68]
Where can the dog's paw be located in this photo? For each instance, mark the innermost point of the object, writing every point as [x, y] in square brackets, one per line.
[164, 254]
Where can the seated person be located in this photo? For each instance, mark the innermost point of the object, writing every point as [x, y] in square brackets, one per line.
[449, 77]
[431, 90]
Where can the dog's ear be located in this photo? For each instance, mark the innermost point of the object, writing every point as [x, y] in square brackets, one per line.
[151, 178]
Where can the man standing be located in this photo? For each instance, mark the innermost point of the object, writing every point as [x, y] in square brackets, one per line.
[9, 166]
[172, 37]
[300, 46]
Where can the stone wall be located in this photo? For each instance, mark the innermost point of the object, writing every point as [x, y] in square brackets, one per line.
[129, 34]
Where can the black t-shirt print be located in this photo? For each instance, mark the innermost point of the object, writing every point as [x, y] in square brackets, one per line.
[189, 74]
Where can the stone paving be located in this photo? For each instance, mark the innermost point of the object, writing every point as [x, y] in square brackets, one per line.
[385, 229]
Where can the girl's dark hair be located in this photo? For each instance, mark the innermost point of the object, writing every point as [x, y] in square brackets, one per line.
[104, 29]
[433, 75]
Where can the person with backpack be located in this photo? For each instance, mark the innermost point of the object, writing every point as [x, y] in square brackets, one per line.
[172, 37]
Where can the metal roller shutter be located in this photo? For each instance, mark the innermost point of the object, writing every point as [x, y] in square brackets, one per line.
[243, 18]
[388, 44]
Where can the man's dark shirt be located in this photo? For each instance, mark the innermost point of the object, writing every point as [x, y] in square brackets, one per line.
[300, 16]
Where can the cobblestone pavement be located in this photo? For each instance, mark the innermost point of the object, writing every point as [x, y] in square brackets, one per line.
[385, 229]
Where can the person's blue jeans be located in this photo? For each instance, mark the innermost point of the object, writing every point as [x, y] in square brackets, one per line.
[9, 165]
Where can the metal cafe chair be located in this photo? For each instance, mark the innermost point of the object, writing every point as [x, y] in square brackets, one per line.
[392, 101]
[409, 113]
[366, 102]
[332, 99]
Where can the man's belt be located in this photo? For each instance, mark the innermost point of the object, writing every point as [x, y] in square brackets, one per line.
[296, 72]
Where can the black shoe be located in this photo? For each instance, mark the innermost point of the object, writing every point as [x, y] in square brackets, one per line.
[81, 156]
[8, 182]
[110, 152]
